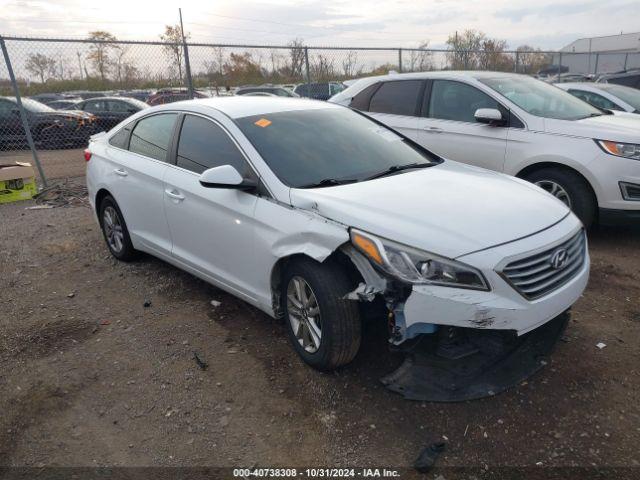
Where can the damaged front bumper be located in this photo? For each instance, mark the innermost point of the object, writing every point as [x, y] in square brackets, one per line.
[420, 309]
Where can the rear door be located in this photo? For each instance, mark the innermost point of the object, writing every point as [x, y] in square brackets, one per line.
[137, 166]
[212, 228]
[448, 126]
[396, 104]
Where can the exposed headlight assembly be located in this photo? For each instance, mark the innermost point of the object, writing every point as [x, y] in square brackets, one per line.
[619, 149]
[416, 266]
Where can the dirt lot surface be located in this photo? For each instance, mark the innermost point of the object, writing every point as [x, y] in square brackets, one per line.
[90, 376]
[55, 163]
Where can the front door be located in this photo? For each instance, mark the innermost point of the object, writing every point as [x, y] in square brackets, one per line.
[212, 228]
[448, 126]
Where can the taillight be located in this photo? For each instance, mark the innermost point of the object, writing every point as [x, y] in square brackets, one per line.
[87, 155]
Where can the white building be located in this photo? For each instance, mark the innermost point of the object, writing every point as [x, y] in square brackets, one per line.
[611, 53]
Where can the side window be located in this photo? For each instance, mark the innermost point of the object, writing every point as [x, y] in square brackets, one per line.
[594, 99]
[152, 135]
[204, 145]
[121, 137]
[398, 97]
[6, 109]
[116, 106]
[94, 106]
[361, 100]
[457, 101]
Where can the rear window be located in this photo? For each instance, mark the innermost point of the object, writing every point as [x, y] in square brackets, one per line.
[398, 98]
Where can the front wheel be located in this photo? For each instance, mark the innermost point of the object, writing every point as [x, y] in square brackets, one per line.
[570, 188]
[323, 327]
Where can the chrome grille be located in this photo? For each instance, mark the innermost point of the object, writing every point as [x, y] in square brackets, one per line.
[535, 276]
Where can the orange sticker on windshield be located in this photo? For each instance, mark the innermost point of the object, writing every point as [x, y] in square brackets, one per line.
[263, 122]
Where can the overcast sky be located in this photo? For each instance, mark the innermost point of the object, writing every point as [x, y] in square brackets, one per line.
[546, 24]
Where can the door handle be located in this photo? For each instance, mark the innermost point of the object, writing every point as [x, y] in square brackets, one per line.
[433, 130]
[174, 195]
[121, 172]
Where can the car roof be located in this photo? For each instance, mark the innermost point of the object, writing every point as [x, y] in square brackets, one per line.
[577, 84]
[448, 74]
[104, 98]
[242, 106]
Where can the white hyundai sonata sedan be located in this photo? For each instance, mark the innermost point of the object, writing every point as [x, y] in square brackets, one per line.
[307, 209]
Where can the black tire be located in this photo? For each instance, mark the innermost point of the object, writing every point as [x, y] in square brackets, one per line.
[583, 201]
[341, 327]
[126, 253]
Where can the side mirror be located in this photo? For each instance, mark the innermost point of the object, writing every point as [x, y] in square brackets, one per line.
[490, 116]
[225, 176]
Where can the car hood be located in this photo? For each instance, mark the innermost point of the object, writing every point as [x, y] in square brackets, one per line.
[449, 209]
[619, 128]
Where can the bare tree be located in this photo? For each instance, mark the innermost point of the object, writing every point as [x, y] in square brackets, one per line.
[120, 62]
[41, 66]
[296, 62]
[99, 52]
[172, 37]
[322, 68]
[530, 59]
[420, 60]
[350, 64]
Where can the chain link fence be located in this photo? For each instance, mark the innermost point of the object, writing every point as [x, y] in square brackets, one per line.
[56, 93]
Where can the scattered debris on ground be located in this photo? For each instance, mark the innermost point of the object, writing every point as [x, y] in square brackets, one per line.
[63, 193]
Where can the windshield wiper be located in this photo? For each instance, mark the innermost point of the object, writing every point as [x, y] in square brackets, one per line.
[328, 182]
[399, 168]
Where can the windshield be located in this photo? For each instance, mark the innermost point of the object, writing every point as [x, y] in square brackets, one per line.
[626, 94]
[306, 147]
[35, 106]
[541, 99]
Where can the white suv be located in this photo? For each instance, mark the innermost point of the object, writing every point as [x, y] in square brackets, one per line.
[517, 125]
[304, 209]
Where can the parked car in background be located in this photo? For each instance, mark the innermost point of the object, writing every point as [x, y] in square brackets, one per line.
[50, 128]
[62, 104]
[515, 124]
[47, 98]
[605, 95]
[170, 95]
[289, 205]
[110, 111]
[260, 94]
[87, 94]
[629, 78]
[319, 91]
[278, 91]
[142, 95]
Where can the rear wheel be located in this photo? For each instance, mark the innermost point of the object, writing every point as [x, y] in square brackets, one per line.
[115, 231]
[323, 327]
[570, 188]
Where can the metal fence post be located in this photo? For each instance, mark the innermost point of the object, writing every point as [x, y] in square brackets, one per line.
[595, 69]
[23, 115]
[400, 60]
[306, 66]
[559, 62]
[187, 66]
[515, 62]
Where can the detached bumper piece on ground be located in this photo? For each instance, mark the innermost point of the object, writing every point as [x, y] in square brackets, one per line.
[474, 364]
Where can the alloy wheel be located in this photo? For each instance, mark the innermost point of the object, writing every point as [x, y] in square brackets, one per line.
[113, 229]
[304, 314]
[556, 190]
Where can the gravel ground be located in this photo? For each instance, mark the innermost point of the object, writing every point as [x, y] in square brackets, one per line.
[90, 376]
